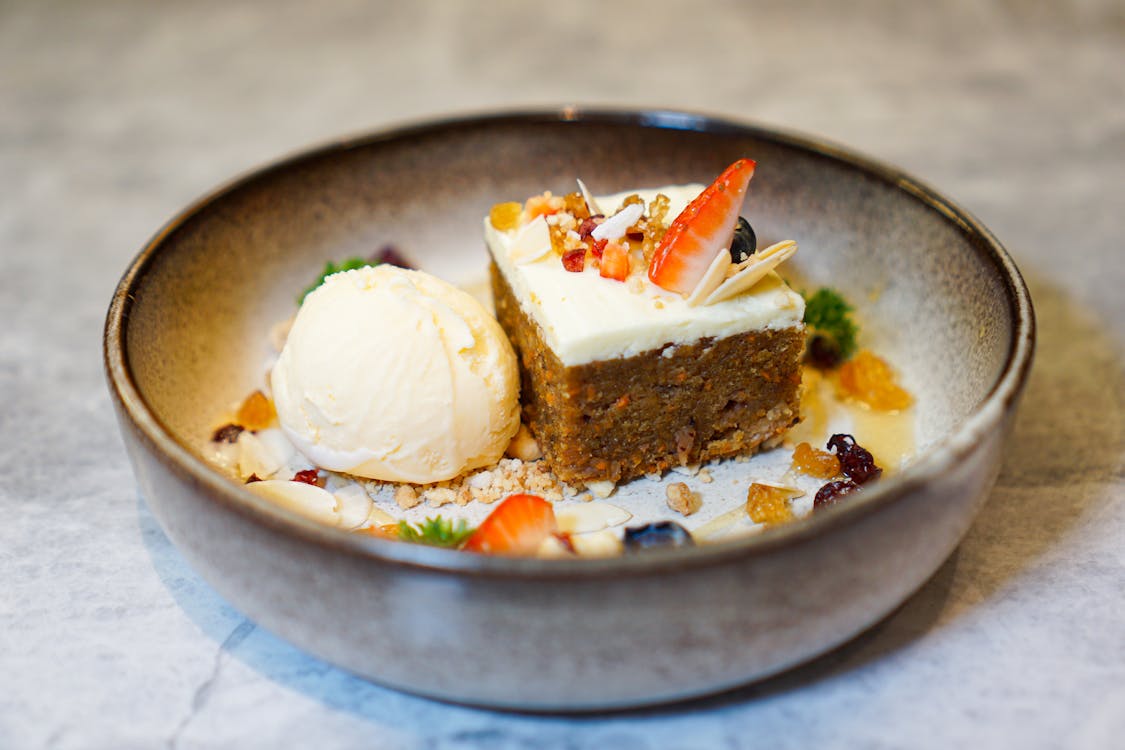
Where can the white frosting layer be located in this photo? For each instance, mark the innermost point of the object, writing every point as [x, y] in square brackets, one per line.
[587, 318]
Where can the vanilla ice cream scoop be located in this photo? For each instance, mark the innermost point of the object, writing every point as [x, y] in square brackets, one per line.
[396, 375]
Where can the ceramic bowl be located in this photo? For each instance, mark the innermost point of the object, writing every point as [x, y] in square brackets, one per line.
[184, 335]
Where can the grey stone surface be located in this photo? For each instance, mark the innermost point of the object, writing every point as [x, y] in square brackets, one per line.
[114, 115]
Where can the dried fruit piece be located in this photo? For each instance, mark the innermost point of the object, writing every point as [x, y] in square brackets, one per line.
[574, 260]
[256, 412]
[615, 262]
[517, 527]
[390, 255]
[505, 217]
[833, 491]
[228, 433]
[814, 462]
[869, 379]
[855, 461]
[768, 504]
[575, 204]
[701, 231]
[543, 205]
[308, 476]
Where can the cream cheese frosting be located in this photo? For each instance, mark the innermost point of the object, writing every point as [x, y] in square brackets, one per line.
[587, 318]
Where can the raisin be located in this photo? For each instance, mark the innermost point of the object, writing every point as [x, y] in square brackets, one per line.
[253, 478]
[635, 236]
[589, 225]
[855, 461]
[308, 476]
[833, 491]
[228, 433]
[824, 353]
[390, 255]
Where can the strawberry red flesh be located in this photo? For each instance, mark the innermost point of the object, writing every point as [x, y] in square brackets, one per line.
[517, 527]
[701, 231]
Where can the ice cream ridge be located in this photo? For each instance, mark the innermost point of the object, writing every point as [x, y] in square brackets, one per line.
[395, 375]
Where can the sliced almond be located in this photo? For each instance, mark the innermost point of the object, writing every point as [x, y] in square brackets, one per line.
[603, 543]
[752, 270]
[712, 279]
[591, 204]
[255, 457]
[532, 241]
[615, 226]
[789, 489]
[307, 499]
[354, 505]
[602, 489]
[720, 523]
[588, 517]
[379, 517]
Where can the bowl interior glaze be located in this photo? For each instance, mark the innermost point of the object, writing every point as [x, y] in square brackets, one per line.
[186, 338]
[934, 291]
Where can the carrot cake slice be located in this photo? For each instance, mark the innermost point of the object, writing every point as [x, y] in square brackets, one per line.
[650, 331]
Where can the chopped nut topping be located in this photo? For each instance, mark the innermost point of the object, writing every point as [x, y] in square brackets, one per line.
[524, 446]
[681, 499]
[406, 496]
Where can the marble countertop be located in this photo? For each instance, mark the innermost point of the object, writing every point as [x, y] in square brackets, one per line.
[114, 115]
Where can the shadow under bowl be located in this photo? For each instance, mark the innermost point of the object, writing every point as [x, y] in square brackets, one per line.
[185, 337]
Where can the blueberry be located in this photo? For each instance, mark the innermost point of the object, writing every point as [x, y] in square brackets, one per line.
[745, 242]
[656, 535]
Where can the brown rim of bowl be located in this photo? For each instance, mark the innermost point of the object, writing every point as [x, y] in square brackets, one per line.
[943, 455]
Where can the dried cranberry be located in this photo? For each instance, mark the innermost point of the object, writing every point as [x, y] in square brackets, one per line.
[308, 476]
[597, 247]
[589, 225]
[823, 352]
[574, 260]
[228, 433]
[855, 461]
[390, 255]
[833, 491]
[635, 236]
[253, 478]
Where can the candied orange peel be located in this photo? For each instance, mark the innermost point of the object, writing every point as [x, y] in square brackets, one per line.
[814, 462]
[505, 216]
[768, 505]
[256, 412]
[868, 379]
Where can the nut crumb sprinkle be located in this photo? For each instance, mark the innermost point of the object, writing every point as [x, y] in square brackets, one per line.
[681, 499]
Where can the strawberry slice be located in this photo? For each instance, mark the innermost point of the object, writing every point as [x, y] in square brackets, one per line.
[615, 262]
[517, 527]
[701, 231]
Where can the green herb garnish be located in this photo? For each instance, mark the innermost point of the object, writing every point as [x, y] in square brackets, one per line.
[436, 532]
[833, 331]
[330, 268]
